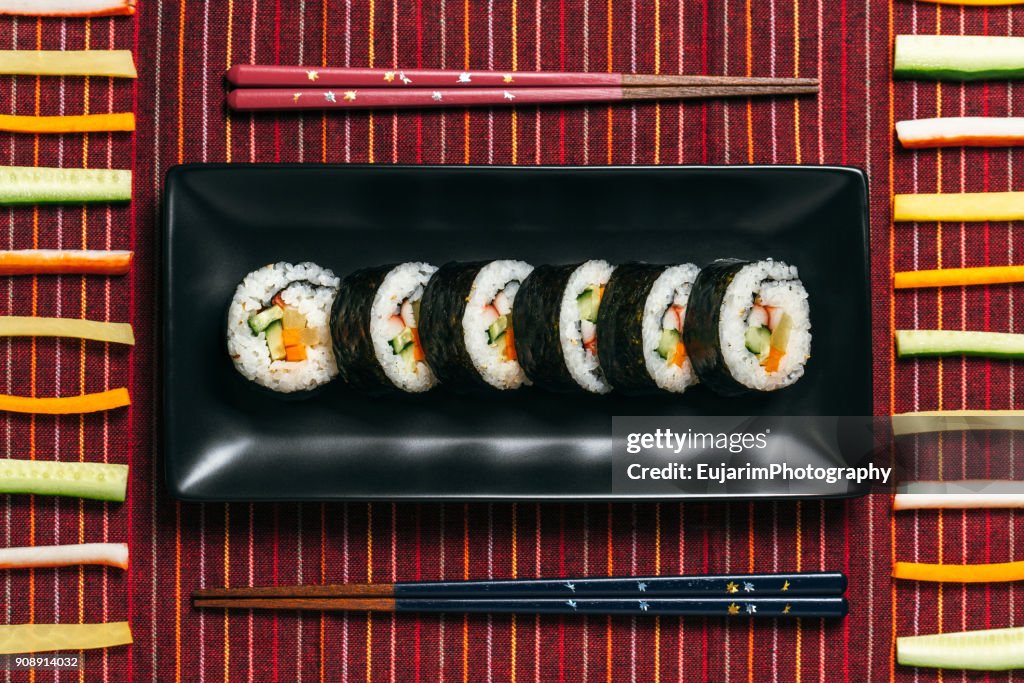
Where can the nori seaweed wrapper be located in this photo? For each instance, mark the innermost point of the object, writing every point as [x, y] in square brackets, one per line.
[535, 327]
[620, 332]
[441, 310]
[350, 331]
[701, 327]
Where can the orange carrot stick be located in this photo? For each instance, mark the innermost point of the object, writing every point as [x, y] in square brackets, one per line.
[70, 405]
[417, 346]
[679, 357]
[56, 262]
[510, 345]
[959, 573]
[958, 277]
[771, 363]
[88, 123]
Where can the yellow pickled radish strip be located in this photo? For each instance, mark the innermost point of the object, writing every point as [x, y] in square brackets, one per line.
[113, 63]
[18, 326]
[16, 639]
[959, 208]
[922, 422]
[70, 405]
[958, 277]
[86, 123]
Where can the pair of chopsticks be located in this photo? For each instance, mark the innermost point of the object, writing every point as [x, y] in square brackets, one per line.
[272, 87]
[806, 594]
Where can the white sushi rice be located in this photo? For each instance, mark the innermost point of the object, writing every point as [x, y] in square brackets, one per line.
[672, 288]
[778, 285]
[406, 281]
[496, 370]
[583, 366]
[309, 289]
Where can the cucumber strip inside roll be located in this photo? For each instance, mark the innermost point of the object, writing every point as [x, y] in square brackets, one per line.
[376, 328]
[468, 324]
[278, 322]
[748, 326]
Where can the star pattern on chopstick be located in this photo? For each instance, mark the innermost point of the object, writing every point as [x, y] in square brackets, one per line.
[389, 76]
[644, 605]
[641, 586]
[507, 78]
[350, 95]
[785, 586]
[785, 610]
[402, 77]
[572, 604]
[313, 75]
[436, 96]
[734, 609]
[509, 96]
[330, 96]
[570, 585]
[731, 587]
[748, 587]
[296, 96]
[751, 608]
[464, 77]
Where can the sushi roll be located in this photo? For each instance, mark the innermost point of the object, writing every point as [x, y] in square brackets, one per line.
[641, 330]
[278, 333]
[467, 329]
[556, 322]
[375, 328]
[748, 326]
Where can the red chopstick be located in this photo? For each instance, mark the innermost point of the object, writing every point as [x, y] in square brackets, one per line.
[274, 76]
[268, 99]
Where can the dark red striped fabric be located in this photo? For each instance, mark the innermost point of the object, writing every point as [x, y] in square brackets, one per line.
[183, 49]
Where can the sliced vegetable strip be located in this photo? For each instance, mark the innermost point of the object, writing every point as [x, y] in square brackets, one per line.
[959, 208]
[73, 328]
[958, 277]
[959, 573]
[965, 131]
[911, 343]
[26, 638]
[58, 262]
[87, 123]
[104, 554]
[998, 649]
[958, 58]
[959, 495]
[113, 63]
[31, 185]
[96, 481]
[957, 420]
[69, 405]
[68, 8]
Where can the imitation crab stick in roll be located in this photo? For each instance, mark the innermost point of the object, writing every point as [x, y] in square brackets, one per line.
[41, 556]
[61, 262]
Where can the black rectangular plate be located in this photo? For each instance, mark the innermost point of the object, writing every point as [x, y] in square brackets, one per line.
[225, 440]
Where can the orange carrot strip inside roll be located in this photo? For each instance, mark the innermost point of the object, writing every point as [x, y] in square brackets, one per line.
[57, 262]
[86, 123]
[957, 277]
[70, 405]
[959, 573]
[39, 556]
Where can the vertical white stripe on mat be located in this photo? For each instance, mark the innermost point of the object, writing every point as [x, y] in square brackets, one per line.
[155, 474]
